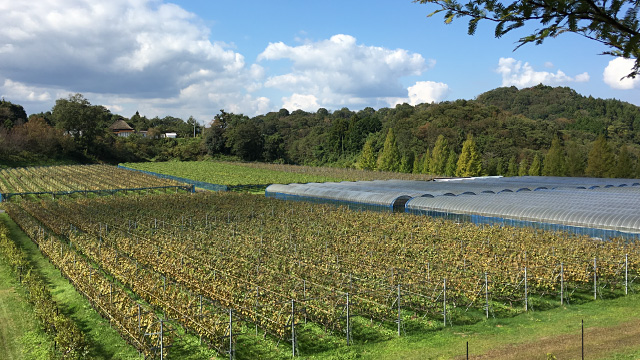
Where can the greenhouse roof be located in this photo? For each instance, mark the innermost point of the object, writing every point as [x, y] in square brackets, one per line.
[612, 204]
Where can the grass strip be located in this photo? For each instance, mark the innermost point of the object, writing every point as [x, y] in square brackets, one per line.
[611, 328]
[21, 335]
[104, 342]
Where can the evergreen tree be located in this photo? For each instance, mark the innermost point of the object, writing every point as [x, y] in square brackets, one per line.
[406, 165]
[389, 159]
[536, 166]
[452, 164]
[600, 161]
[439, 156]
[469, 162]
[523, 168]
[575, 160]
[500, 170]
[624, 165]
[367, 159]
[417, 164]
[554, 162]
[426, 159]
[512, 168]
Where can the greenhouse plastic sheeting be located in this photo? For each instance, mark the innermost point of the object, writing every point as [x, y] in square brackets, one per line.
[592, 206]
[610, 209]
[360, 200]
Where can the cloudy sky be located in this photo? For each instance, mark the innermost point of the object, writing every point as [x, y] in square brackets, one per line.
[192, 58]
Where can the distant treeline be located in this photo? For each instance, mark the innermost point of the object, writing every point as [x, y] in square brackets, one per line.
[539, 131]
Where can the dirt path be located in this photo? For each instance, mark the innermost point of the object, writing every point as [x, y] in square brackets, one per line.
[599, 343]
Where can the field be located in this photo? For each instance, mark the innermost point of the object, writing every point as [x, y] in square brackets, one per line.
[52, 181]
[297, 271]
[185, 276]
[227, 173]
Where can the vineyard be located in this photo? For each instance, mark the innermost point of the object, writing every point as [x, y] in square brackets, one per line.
[232, 174]
[212, 267]
[52, 181]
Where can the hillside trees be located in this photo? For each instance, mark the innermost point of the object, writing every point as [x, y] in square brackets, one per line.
[367, 159]
[85, 122]
[439, 156]
[389, 159]
[554, 162]
[11, 114]
[469, 163]
[601, 160]
[536, 166]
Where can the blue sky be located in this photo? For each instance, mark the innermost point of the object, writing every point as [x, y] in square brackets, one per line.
[193, 58]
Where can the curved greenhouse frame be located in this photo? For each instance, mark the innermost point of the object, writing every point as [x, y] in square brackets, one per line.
[596, 207]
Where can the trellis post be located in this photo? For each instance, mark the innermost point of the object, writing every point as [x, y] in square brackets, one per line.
[486, 293]
[526, 300]
[230, 334]
[399, 315]
[444, 301]
[626, 274]
[595, 284]
[561, 283]
[348, 323]
[293, 327]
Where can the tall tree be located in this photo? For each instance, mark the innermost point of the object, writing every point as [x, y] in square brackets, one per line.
[575, 160]
[406, 164]
[554, 162]
[613, 23]
[512, 167]
[426, 162]
[469, 162]
[11, 114]
[439, 156]
[79, 118]
[600, 161]
[367, 159]
[417, 164]
[245, 141]
[389, 159]
[452, 164]
[536, 166]
[215, 136]
[624, 165]
[523, 168]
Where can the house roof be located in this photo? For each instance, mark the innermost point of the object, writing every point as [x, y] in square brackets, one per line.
[120, 125]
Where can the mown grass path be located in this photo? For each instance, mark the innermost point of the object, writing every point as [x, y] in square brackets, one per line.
[105, 342]
[20, 333]
[612, 331]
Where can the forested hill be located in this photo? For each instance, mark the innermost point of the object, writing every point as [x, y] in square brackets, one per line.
[538, 130]
[562, 104]
[513, 131]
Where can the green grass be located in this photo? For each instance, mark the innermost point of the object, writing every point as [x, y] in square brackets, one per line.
[20, 334]
[105, 342]
[520, 333]
[226, 173]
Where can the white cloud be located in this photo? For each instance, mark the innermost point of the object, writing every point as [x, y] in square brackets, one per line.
[15, 91]
[300, 102]
[521, 75]
[615, 74]
[427, 92]
[422, 92]
[147, 51]
[339, 71]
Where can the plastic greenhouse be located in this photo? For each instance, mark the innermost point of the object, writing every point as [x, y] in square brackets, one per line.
[596, 207]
